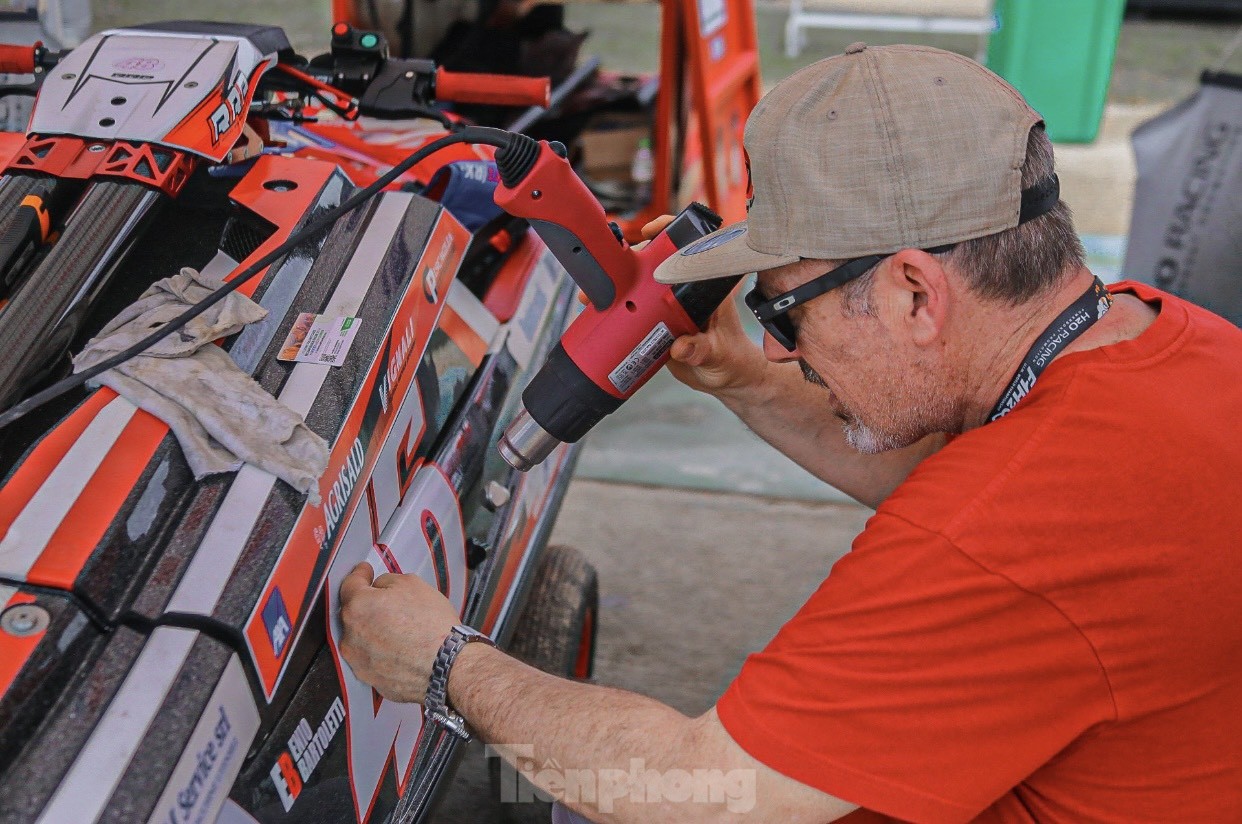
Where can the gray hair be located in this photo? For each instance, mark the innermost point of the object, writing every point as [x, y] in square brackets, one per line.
[1014, 266]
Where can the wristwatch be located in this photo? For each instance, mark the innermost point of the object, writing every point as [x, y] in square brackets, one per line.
[435, 705]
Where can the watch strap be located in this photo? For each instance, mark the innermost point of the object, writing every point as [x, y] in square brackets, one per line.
[435, 704]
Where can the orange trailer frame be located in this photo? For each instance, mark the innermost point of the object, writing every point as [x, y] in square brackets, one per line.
[709, 82]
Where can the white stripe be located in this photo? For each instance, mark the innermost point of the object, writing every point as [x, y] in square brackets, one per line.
[31, 530]
[544, 495]
[106, 755]
[208, 574]
[213, 564]
[98, 768]
[5, 594]
[301, 627]
[225, 729]
[472, 311]
[369, 255]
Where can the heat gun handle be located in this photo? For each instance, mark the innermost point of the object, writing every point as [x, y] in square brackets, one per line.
[575, 256]
[538, 183]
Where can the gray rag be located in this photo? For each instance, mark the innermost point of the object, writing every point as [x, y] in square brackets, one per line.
[220, 415]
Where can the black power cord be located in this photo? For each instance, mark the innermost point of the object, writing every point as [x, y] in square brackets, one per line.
[471, 134]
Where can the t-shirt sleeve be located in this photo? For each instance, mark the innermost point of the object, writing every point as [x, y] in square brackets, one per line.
[915, 682]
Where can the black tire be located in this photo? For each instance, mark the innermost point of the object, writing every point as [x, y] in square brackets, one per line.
[555, 633]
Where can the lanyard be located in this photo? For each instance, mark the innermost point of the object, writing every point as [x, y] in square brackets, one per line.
[1068, 325]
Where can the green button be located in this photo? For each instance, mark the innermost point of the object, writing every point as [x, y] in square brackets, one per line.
[368, 41]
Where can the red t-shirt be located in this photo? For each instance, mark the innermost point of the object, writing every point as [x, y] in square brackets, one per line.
[1044, 621]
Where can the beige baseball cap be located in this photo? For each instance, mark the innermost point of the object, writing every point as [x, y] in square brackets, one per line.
[872, 151]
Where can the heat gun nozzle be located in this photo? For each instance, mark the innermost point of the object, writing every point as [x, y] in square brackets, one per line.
[525, 444]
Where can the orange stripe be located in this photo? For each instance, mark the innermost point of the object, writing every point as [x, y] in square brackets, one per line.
[45, 221]
[34, 471]
[14, 651]
[460, 332]
[295, 570]
[89, 517]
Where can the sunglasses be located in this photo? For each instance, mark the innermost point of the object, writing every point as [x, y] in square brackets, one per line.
[774, 313]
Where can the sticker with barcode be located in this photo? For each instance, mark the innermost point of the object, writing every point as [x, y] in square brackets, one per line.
[653, 347]
[319, 339]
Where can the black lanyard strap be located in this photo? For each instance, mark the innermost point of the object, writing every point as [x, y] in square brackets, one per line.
[1063, 331]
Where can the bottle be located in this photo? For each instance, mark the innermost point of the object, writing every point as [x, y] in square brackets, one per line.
[642, 170]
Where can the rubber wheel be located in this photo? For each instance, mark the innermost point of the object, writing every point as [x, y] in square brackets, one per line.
[555, 633]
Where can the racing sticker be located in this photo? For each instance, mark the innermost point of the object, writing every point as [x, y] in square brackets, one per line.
[276, 619]
[306, 747]
[213, 756]
[380, 733]
[319, 339]
[649, 350]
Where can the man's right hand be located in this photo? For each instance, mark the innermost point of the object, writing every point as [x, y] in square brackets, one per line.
[720, 359]
[777, 403]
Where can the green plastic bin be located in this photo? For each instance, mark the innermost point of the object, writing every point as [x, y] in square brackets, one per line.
[1059, 54]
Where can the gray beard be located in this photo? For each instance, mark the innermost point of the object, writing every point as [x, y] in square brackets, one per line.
[864, 438]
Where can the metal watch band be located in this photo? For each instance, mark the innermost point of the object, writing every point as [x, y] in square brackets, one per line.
[435, 705]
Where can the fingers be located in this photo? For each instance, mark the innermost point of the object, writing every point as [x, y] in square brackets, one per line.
[358, 579]
[656, 226]
[387, 579]
[691, 350]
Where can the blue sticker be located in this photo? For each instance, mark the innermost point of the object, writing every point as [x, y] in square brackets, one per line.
[712, 242]
[276, 619]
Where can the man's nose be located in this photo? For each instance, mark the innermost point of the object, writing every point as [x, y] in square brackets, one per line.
[776, 353]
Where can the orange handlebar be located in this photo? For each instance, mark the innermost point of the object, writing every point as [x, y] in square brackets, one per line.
[17, 59]
[494, 89]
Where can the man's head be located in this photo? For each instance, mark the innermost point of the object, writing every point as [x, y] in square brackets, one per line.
[905, 196]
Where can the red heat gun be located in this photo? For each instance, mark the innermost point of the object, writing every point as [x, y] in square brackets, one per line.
[624, 335]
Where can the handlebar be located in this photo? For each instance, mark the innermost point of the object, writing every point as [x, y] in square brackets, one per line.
[493, 89]
[18, 59]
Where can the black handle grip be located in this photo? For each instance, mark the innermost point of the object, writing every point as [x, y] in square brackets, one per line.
[579, 262]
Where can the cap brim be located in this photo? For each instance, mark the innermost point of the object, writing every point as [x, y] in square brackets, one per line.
[723, 253]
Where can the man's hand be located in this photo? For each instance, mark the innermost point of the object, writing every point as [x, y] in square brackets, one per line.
[394, 627]
[720, 359]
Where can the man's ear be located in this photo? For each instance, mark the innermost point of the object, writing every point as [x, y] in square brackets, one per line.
[919, 289]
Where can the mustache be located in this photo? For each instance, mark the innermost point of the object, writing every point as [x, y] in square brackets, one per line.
[810, 375]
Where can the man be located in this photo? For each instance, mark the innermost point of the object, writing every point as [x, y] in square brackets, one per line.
[1041, 622]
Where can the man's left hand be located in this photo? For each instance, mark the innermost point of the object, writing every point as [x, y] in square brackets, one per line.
[393, 628]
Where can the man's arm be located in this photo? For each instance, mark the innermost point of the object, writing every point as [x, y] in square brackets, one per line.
[618, 756]
[792, 415]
